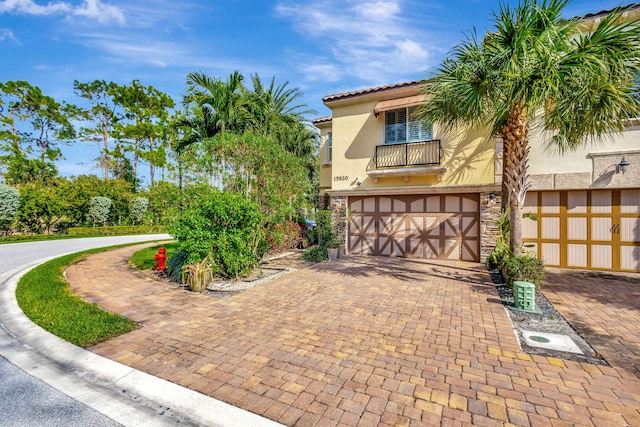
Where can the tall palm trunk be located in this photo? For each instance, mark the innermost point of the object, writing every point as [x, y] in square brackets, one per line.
[515, 135]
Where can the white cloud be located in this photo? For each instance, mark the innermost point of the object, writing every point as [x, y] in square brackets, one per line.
[7, 34]
[140, 49]
[377, 41]
[94, 9]
[29, 7]
[103, 13]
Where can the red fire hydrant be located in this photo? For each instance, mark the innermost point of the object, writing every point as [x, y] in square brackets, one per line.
[161, 259]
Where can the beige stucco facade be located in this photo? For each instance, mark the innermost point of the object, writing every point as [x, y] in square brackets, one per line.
[467, 155]
[593, 165]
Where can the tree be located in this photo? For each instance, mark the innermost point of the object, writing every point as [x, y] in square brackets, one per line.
[51, 122]
[99, 208]
[138, 209]
[538, 70]
[41, 207]
[271, 108]
[102, 112]
[22, 170]
[9, 203]
[146, 108]
[43, 123]
[14, 106]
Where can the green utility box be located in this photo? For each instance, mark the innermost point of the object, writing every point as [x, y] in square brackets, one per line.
[524, 294]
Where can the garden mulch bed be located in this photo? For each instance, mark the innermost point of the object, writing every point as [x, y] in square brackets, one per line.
[549, 321]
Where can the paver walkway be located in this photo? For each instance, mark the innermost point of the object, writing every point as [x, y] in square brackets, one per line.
[363, 341]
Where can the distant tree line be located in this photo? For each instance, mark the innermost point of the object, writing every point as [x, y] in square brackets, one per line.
[222, 136]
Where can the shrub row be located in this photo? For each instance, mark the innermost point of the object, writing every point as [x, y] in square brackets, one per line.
[117, 230]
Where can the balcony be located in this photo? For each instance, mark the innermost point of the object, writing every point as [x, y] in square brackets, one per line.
[410, 159]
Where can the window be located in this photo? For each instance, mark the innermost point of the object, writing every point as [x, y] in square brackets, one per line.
[329, 147]
[399, 130]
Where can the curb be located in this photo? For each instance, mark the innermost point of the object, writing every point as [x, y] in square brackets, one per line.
[126, 395]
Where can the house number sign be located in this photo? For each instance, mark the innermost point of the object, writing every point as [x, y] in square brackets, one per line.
[341, 178]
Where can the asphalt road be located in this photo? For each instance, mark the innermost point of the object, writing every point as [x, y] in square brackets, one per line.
[24, 399]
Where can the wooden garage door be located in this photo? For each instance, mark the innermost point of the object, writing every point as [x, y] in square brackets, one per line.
[418, 226]
[590, 229]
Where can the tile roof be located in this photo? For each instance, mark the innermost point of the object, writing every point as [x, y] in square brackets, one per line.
[321, 120]
[343, 95]
[606, 12]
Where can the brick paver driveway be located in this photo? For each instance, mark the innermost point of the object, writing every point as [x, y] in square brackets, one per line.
[363, 341]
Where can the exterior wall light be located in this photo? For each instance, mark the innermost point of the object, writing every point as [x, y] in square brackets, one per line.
[622, 166]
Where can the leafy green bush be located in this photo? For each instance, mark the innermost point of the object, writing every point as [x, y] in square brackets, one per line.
[325, 231]
[526, 267]
[315, 254]
[225, 225]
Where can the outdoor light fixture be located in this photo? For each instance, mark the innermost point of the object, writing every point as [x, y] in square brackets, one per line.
[622, 166]
[492, 196]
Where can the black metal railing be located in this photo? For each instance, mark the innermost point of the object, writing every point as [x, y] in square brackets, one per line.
[410, 154]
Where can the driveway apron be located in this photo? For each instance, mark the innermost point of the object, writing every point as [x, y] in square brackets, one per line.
[362, 341]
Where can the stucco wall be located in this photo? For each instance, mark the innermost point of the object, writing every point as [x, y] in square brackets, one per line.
[591, 166]
[468, 155]
[325, 165]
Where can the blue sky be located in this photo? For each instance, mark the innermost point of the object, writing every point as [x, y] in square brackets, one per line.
[321, 47]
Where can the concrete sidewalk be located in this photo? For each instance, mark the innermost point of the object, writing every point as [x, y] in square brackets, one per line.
[366, 341]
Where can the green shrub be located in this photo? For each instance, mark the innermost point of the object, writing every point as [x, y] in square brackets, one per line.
[9, 203]
[315, 254]
[226, 226]
[284, 236]
[99, 208]
[117, 230]
[138, 209]
[526, 267]
[325, 231]
[175, 264]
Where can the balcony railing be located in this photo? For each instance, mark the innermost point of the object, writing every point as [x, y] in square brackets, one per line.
[410, 154]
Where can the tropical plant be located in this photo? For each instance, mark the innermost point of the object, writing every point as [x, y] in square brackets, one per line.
[198, 275]
[536, 69]
[502, 251]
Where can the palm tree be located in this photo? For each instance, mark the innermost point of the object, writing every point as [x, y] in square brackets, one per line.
[273, 107]
[538, 70]
[220, 100]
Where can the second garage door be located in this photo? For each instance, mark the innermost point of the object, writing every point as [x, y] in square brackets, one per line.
[589, 229]
[418, 226]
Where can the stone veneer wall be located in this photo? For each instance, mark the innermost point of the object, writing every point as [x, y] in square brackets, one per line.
[489, 213]
[338, 206]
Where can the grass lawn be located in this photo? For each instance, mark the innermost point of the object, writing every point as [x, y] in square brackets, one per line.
[45, 297]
